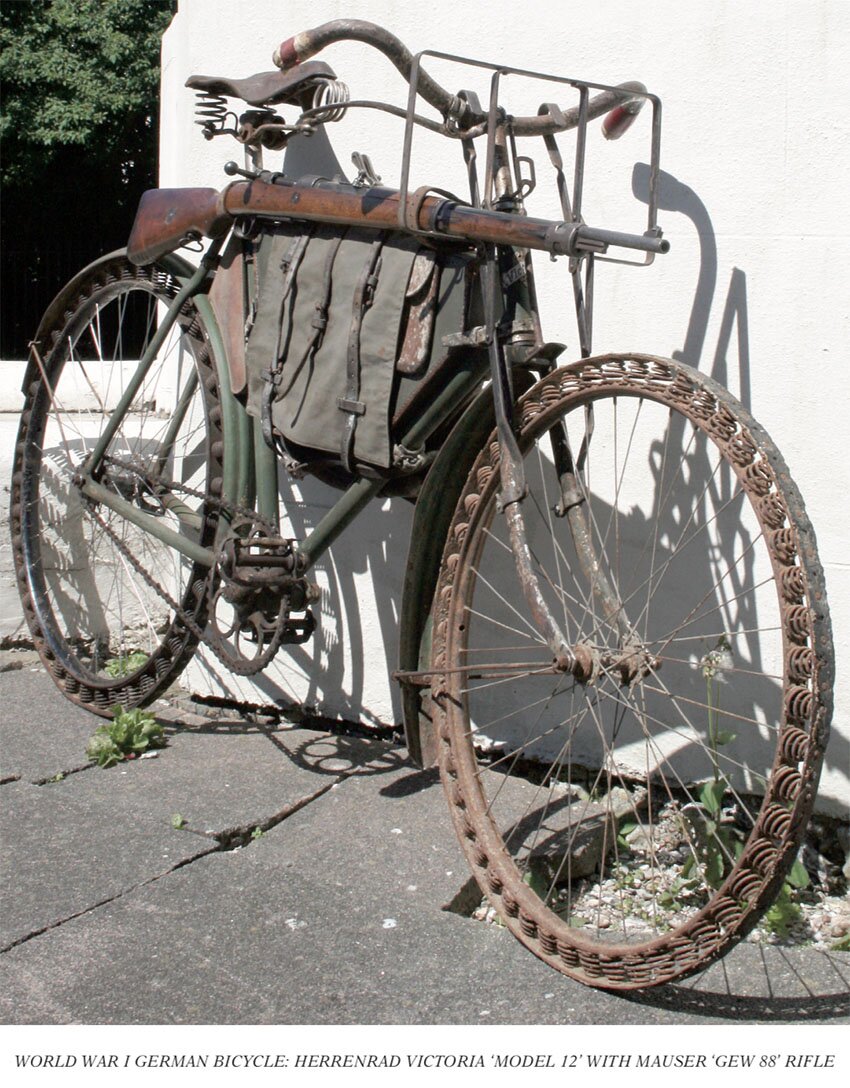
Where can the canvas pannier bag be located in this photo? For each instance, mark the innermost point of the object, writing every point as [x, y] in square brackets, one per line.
[348, 323]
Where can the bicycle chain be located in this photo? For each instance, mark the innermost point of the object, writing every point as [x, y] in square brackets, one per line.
[238, 664]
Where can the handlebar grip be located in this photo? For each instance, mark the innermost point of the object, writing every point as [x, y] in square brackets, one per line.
[292, 52]
[620, 119]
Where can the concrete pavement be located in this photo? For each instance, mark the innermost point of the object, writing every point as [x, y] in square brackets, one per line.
[332, 912]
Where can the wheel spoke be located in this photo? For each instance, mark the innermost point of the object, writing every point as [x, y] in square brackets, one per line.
[621, 811]
[100, 588]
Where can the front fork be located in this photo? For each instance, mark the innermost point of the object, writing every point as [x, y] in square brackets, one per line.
[580, 659]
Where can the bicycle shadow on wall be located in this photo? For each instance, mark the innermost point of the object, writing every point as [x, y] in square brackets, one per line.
[756, 983]
[678, 198]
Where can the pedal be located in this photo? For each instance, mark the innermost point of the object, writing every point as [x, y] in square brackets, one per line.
[299, 629]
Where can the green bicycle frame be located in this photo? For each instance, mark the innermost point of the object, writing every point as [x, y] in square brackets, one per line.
[250, 466]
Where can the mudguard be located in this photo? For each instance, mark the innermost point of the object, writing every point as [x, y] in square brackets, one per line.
[68, 295]
[432, 516]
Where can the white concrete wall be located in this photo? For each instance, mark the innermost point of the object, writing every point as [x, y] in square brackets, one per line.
[756, 149]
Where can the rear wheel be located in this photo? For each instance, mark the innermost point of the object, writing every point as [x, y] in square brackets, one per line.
[632, 822]
[102, 597]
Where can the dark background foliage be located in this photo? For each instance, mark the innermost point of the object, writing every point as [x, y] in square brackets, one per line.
[79, 131]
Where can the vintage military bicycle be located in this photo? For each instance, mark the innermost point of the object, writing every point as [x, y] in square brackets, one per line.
[614, 634]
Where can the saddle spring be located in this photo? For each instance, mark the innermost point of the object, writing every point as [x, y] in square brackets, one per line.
[331, 95]
[211, 113]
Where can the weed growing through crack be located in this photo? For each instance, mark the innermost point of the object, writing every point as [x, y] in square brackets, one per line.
[116, 667]
[129, 734]
[784, 912]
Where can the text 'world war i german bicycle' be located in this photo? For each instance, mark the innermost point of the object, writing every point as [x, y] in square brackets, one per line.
[614, 633]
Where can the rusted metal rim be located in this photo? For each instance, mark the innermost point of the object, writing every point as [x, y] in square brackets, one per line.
[758, 874]
[104, 281]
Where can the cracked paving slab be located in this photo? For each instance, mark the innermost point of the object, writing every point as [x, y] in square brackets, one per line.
[334, 916]
[43, 733]
[76, 843]
[63, 856]
[228, 776]
[222, 775]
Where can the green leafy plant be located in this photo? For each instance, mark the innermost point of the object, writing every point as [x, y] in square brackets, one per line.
[785, 911]
[715, 844]
[626, 828]
[124, 664]
[177, 821]
[672, 898]
[257, 833]
[129, 734]
[842, 944]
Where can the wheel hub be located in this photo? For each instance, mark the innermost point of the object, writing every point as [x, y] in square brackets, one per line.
[588, 662]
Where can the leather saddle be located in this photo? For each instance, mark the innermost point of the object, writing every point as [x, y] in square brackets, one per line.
[266, 88]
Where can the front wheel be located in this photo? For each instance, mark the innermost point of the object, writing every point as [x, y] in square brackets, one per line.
[631, 821]
[113, 610]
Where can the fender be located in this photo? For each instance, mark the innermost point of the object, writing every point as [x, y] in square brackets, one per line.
[235, 423]
[432, 516]
[239, 465]
[67, 296]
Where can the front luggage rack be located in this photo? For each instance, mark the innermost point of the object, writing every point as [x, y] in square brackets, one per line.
[494, 125]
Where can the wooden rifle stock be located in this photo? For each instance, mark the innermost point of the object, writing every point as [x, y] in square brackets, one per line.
[420, 212]
[167, 218]
[379, 208]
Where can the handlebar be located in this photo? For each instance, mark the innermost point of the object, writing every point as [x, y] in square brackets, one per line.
[622, 104]
[302, 46]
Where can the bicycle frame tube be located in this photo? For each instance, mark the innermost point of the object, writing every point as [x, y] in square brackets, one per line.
[264, 464]
[102, 495]
[238, 480]
[146, 361]
[468, 378]
[176, 421]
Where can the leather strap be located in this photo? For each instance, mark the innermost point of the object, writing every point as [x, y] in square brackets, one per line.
[273, 376]
[420, 312]
[351, 403]
[412, 207]
[320, 317]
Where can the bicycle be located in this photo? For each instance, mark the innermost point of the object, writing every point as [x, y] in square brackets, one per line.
[614, 635]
